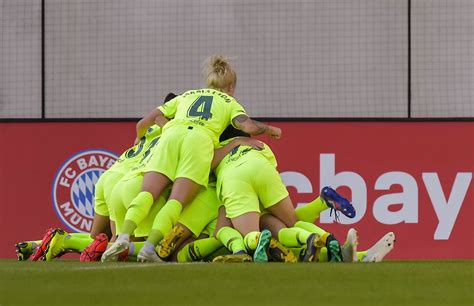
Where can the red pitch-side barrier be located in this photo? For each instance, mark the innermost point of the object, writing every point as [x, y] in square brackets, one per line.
[412, 178]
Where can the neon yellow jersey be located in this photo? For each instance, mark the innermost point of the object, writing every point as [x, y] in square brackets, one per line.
[240, 154]
[208, 108]
[131, 157]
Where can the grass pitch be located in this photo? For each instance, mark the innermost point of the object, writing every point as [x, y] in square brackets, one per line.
[387, 283]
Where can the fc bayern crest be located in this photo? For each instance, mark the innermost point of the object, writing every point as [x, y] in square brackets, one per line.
[74, 184]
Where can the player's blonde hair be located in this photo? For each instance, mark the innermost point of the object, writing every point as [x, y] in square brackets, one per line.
[218, 73]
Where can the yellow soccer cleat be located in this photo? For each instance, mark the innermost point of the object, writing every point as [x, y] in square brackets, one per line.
[279, 253]
[233, 258]
[56, 248]
[168, 244]
[25, 249]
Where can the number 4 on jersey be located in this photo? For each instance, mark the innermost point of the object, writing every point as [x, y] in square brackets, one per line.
[201, 108]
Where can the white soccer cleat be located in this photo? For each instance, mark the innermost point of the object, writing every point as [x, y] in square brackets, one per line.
[112, 253]
[379, 250]
[148, 255]
[349, 249]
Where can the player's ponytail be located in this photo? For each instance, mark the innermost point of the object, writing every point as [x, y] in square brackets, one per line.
[218, 73]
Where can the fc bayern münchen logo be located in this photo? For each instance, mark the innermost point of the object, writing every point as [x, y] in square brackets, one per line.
[74, 184]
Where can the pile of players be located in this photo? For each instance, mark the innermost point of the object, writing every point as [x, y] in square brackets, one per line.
[196, 187]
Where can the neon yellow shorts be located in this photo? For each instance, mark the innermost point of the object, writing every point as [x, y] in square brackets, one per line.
[124, 192]
[242, 190]
[210, 228]
[197, 215]
[103, 191]
[183, 152]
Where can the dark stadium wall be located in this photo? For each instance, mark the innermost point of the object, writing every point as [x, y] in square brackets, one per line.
[412, 178]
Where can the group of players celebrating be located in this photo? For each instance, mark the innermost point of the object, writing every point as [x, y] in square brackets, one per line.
[196, 187]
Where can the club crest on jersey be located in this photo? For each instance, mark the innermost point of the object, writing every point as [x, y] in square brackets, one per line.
[74, 184]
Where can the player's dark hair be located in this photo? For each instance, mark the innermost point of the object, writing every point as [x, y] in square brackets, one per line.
[169, 97]
[231, 132]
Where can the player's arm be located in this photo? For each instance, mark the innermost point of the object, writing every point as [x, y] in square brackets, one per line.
[161, 120]
[254, 127]
[154, 117]
[145, 123]
[220, 153]
[157, 116]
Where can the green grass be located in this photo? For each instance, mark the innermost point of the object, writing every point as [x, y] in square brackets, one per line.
[387, 283]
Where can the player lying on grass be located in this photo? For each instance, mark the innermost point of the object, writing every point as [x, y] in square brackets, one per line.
[184, 154]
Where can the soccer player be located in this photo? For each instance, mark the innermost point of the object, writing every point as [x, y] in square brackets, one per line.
[307, 216]
[244, 194]
[186, 148]
[195, 216]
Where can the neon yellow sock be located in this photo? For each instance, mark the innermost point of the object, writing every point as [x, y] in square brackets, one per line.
[76, 244]
[251, 240]
[128, 227]
[137, 211]
[135, 247]
[167, 217]
[360, 255]
[219, 252]
[311, 227]
[298, 252]
[310, 212]
[199, 249]
[155, 237]
[82, 235]
[323, 255]
[293, 236]
[232, 239]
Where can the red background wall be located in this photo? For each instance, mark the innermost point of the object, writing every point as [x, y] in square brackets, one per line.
[32, 153]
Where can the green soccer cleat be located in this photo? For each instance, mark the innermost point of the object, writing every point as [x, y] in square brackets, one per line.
[168, 244]
[279, 253]
[349, 249]
[56, 248]
[334, 249]
[260, 254]
[25, 249]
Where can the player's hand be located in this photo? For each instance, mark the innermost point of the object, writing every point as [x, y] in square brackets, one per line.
[251, 142]
[274, 132]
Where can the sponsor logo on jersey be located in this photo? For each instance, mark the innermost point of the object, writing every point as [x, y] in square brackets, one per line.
[74, 186]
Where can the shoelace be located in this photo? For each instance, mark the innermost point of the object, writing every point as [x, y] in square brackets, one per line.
[336, 214]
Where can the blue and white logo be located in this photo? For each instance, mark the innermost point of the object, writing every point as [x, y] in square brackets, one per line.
[74, 186]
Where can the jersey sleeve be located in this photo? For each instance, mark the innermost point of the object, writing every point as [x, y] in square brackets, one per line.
[236, 110]
[169, 108]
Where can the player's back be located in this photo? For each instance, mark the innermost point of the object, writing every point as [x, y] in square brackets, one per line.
[242, 154]
[207, 108]
[132, 156]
